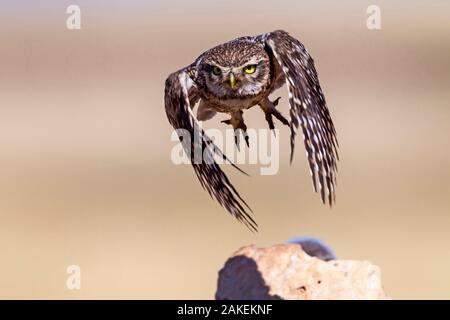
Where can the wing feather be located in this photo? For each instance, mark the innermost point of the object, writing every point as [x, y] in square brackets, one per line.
[307, 109]
[211, 177]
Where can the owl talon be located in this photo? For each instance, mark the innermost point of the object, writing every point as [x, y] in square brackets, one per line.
[239, 126]
[275, 102]
[280, 117]
[270, 122]
[237, 139]
[237, 134]
[247, 140]
[269, 109]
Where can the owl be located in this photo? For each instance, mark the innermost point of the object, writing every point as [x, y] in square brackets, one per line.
[238, 75]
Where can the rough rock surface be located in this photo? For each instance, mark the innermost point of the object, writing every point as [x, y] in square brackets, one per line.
[285, 271]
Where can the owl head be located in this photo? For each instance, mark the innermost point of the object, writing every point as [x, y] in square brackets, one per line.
[235, 70]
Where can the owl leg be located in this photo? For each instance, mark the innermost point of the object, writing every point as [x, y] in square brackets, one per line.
[237, 121]
[269, 109]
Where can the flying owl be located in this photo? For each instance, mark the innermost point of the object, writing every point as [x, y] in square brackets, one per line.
[237, 75]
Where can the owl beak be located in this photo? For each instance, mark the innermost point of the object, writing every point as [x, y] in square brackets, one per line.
[232, 81]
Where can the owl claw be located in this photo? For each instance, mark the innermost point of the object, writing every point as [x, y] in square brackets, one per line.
[237, 134]
[280, 117]
[239, 126]
[275, 102]
[236, 141]
[270, 111]
[247, 140]
[270, 122]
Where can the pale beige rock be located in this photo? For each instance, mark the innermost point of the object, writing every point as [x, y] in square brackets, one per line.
[285, 271]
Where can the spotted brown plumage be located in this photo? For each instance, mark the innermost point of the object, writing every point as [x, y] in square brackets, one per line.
[236, 76]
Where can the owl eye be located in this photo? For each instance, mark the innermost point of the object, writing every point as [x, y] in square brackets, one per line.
[250, 69]
[216, 71]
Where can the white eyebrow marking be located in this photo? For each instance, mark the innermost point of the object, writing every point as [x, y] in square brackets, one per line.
[250, 62]
[214, 64]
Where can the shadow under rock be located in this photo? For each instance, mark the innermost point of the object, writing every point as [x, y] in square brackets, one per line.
[240, 279]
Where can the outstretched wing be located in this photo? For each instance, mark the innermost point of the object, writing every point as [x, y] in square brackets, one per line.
[178, 109]
[308, 109]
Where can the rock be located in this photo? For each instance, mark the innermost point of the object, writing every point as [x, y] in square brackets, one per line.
[285, 271]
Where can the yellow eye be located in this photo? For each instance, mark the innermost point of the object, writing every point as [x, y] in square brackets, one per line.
[216, 70]
[250, 68]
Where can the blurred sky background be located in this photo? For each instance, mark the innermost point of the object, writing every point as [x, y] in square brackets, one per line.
[85, 170]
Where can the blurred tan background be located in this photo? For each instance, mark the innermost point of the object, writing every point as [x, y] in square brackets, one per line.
[85, 170]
